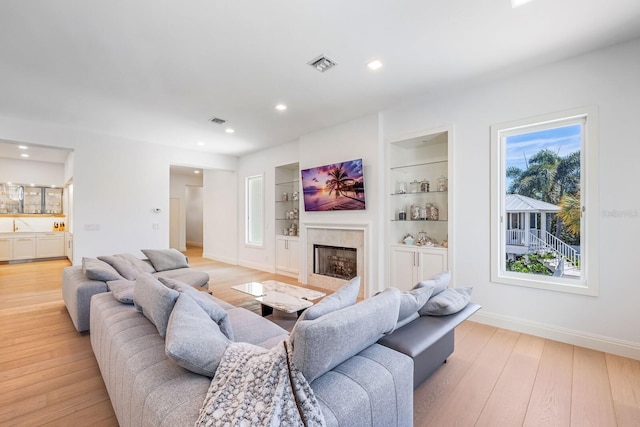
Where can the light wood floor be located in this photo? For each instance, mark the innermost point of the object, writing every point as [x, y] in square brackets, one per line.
[49, 376]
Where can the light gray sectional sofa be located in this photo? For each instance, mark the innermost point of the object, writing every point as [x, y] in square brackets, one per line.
[157, 357]
[80, 283]
[356, 381]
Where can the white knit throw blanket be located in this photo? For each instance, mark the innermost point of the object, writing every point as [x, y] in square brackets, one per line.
[258, 387]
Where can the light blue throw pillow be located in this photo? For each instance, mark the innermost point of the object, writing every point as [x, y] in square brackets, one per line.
[193, 339]
[345, 296]
[154, 300]
[449, 301]
[321, 344]
[206, 302]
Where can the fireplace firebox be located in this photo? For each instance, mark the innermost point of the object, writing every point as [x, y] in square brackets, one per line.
[335, 261]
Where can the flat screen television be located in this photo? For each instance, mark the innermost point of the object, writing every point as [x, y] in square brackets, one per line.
[339, 186]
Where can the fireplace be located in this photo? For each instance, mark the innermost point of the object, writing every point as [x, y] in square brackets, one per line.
[335, 261]
[346, 260]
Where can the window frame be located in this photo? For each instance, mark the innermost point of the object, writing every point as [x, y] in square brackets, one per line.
[588, 284]
[249, 211]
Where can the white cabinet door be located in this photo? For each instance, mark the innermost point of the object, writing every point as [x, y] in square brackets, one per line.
[431, 262]
[287, 255]
[403, 267]
[24, 248]
[282, 256]
[49, 245]
[6, 249]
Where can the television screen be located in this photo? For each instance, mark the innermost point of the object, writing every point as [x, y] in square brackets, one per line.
[334, 187]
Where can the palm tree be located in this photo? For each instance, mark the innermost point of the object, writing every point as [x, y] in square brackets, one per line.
[570, 211]
[548, 177]
[339, 180]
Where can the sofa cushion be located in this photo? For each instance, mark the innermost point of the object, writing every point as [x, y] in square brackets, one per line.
[325, 342]
[345, 296]
[129, 266]
[411, 301]
[166, 259]
[186, 275]
[154, 300]
[96, 269]
[216, 313]
[193, 339]
[438, 283]
[449, 301]
[254, 329]
[122, 290]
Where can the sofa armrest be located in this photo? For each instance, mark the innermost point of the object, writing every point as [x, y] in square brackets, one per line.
[77, 291]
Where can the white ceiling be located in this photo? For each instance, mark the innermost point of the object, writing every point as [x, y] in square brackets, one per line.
[158, 70]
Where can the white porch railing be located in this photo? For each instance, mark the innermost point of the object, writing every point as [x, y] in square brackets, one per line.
[538, 241]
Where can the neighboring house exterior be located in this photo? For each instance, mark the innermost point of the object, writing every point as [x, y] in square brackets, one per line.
[527, 231]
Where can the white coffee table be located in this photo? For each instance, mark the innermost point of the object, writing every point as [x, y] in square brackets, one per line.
[280, 296]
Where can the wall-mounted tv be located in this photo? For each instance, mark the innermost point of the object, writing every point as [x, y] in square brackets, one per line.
[334, 187]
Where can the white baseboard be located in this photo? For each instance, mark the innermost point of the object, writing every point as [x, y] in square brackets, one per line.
[196, 244]
[256, 266]
[569, 336]
[226, 260]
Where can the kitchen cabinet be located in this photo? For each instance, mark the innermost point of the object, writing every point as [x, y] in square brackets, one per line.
[32, 200]
[24, 246]
[50, 245]
[287, 255]
[410, 264]
[6, 249]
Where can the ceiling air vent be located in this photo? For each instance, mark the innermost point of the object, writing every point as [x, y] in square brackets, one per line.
[322, 63]
[218, 121]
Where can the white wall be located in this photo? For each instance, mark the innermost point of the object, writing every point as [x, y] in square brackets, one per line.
[263, 162]
[28, 172]
[117, 184]
[221, 217]
[607, 79]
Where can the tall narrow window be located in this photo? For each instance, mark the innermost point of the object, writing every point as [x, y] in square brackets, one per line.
[544, 204]
[254, 230]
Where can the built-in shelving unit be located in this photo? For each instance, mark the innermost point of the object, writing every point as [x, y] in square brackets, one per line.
[418, 203]
[287, 219]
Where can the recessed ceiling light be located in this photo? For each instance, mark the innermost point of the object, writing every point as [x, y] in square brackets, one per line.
[53, 186]
[375, 64]
[24, 155]
[518, 3]
[229, 130]
[281, 107]
[32, 185]
[22, 147]
[200, 143]
[196, 171]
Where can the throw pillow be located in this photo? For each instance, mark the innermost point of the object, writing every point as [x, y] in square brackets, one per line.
[95, 269]
[122, 290]
[154, 300]
[321, 344]
[411, 301]
[166, 259]
[129, 266]
[193, 340]
[345, 296]
[439, 282]
[206, 302]
[449, 301]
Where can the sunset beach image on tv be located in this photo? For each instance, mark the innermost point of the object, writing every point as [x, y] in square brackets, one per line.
[334, 187]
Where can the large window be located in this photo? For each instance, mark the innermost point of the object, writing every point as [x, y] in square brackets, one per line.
[544, 202]
[254, 214]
